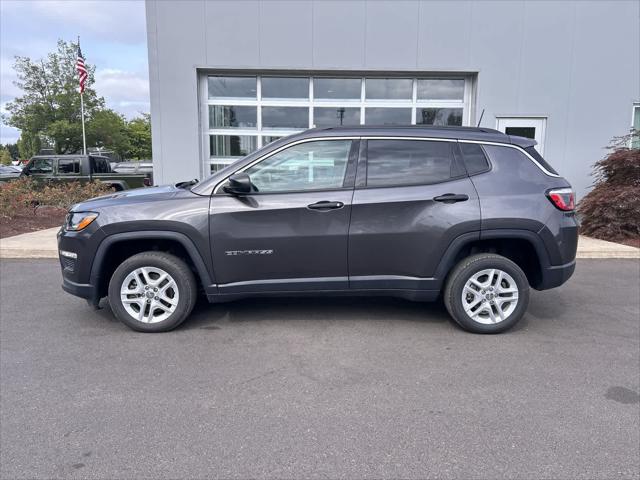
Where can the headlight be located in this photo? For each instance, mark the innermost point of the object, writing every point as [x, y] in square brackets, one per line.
[79, 221]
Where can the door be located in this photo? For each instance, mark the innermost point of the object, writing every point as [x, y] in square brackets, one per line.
[290, 234]
[410, 202]
[529, 127]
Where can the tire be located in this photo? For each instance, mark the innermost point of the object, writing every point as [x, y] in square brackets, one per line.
[132, 285]
[480, 315]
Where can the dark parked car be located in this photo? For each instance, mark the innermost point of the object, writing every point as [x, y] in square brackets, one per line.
[469, 214]
[81, 168]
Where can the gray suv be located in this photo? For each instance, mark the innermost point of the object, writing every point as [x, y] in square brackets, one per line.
[469, 214]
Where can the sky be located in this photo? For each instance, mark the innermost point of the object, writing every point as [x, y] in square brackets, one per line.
[112, 35]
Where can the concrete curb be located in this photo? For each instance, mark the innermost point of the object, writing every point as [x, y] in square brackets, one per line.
[43, 244]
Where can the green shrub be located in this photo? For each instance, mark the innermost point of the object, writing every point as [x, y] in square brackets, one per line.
[611, 211]
[20, 197]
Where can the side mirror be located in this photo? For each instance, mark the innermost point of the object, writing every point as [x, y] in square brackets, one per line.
[239, 184]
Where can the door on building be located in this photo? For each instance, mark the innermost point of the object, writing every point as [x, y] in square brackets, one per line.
[530, 127]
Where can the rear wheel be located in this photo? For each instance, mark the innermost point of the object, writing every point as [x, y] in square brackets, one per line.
[487, 293]
[152, 292]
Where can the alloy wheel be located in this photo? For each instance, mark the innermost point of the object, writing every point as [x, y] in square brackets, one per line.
[149, 294]
[490, 296]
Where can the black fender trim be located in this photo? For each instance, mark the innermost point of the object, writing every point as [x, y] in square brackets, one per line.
[550, 275]
[181, 238]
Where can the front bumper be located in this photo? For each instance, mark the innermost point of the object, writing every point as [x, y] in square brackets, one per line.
[76, 272]
[82, 290]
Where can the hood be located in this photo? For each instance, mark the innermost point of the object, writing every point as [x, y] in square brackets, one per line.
[137, 195]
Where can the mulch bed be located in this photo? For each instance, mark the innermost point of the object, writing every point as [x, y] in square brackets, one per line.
[31, 223]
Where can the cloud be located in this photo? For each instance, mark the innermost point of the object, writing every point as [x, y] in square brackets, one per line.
[124, 91]
[121, 21]
[113, 36]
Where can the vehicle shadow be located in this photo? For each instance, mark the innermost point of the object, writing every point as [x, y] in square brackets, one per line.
[303, 309]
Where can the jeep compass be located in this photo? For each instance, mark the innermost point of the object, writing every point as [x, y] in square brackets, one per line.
[471, 215]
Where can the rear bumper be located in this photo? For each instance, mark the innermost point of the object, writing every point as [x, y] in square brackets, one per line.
[555, 275]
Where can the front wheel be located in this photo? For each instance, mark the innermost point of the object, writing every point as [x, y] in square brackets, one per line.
[152, 292]
[487, 293]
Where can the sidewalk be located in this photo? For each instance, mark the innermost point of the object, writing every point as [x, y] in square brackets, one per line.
[42, 244]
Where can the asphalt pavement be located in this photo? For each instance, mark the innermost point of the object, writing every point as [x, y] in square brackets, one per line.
[321, 388]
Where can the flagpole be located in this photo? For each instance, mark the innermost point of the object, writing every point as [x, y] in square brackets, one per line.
[84, 136]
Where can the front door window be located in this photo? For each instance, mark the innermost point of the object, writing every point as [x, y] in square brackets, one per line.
[319, 165]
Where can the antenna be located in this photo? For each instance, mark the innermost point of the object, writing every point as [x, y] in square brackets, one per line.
[481, 115]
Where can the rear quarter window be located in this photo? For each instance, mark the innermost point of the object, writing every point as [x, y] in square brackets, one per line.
[475, 160]
[538, 158]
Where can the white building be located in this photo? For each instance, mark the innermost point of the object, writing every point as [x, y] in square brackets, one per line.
[229, 76]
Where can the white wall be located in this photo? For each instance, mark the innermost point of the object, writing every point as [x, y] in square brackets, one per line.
[576, 62]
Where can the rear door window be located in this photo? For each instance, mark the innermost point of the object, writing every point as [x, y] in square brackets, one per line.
[99, 165]
[68, 166]
[409, 162]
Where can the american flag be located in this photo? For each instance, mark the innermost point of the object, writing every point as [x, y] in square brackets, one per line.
[82, 70]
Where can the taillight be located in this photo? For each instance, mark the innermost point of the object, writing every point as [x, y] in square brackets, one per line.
[563, 198]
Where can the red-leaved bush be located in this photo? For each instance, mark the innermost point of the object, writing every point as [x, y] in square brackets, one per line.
[611, 211]
[22, 197]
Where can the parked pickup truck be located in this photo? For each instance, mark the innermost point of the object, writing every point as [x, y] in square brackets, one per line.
[83, 168]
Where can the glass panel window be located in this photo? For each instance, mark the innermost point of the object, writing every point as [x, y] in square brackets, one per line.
[267, 139]
[408, 162]
[281, 87]
[307, 166]
[439, 116]
[635, 139]
[232, 145]
[68, 166]
[341, 88]
[527, 132]
[389, 88]
[216, 167]
[285, 117]
[441, 89]
[387, 116]
[333, 116]
[238, 87]
[222, 116]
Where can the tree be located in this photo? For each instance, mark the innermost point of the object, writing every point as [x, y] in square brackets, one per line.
[108, 129]
[50, 106]
[12, 148]
[29, 144]
[5, 157]
[139, 133]
[611, 210]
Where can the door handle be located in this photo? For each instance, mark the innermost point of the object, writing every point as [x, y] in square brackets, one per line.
[325, 205]
[452, 198]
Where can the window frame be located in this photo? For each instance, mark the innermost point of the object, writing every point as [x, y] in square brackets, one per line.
[466, 103]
